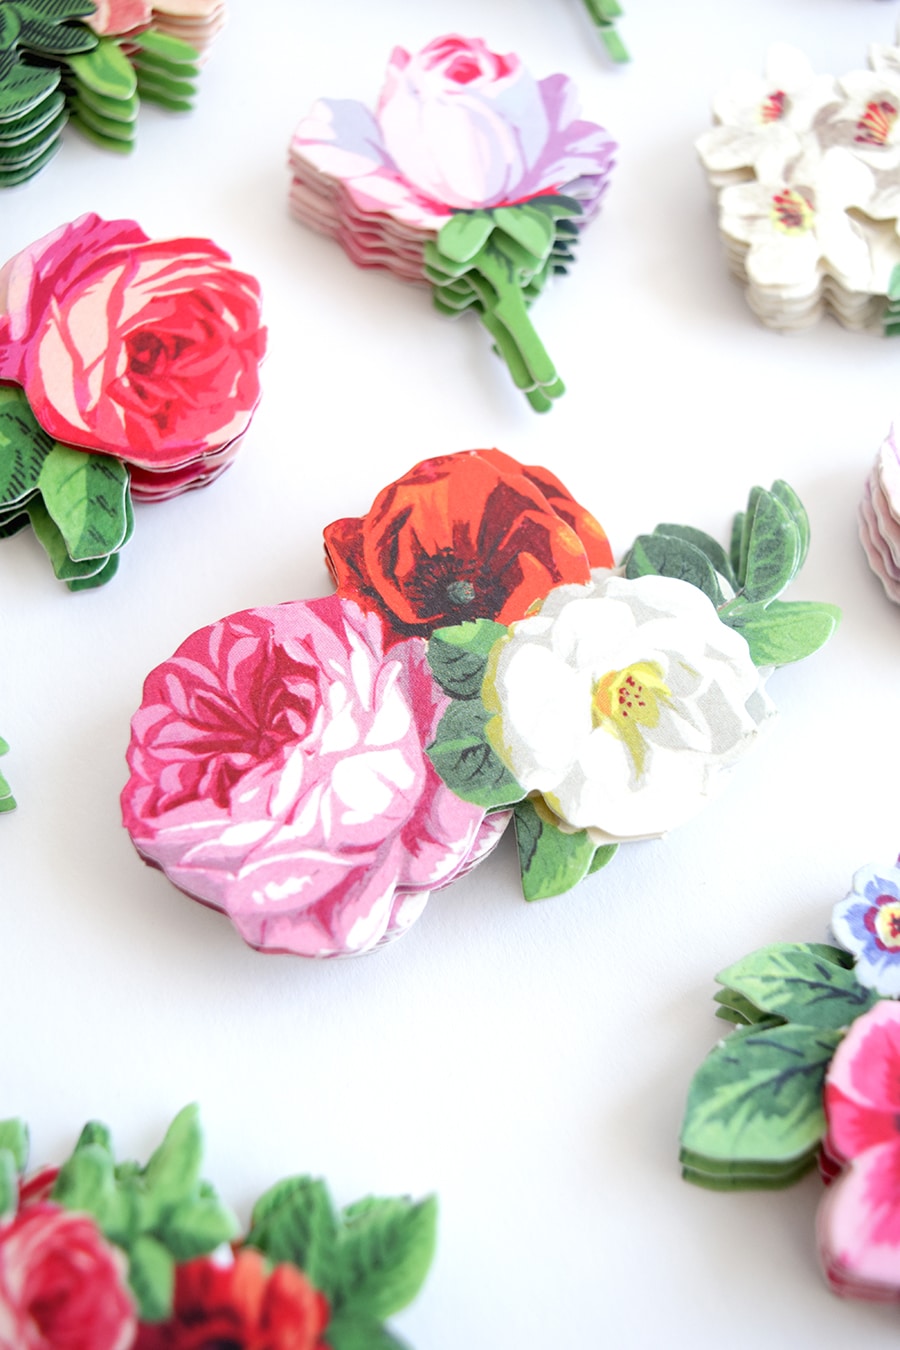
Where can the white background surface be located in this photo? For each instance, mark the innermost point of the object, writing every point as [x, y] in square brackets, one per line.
[529, 1063]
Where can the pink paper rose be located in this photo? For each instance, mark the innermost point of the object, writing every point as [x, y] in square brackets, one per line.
[62, 1286]
[115, 17]
[146, 350]
[859, 1219]
[279, 774]
[457, 127]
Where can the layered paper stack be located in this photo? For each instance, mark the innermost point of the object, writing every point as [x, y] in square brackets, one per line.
[879, 517]
[806, 170]
[470, 175]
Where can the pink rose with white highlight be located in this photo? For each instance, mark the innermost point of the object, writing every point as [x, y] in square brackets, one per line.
[62, 1286]
[279, 774]
[145, 350]
[858, 1223]
[116, 17]
[457, 127]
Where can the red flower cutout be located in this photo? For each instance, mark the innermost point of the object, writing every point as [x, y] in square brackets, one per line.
[464, 536]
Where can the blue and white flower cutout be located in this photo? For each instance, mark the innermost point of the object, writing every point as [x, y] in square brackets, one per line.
[867, 924]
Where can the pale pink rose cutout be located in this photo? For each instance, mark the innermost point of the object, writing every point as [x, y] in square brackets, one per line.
[279, 774]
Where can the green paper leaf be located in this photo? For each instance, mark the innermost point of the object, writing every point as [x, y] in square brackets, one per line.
[10, 27]
[797, 511]
[346, 1332]
[464, 235]
[86, 1182]
[95, 1133]
[54, 544]
[730, 1176]
[467, 762]
[14, 1132]
[173, 1171]
[758, 1095]
[552, 860]
[9, 1185]
[24, 88]
[791, 980]
[667, 556]
[734, 1007]
[783, 631]
[85, 496]
[295, 1221]
[734, 552]
[90, 583]
[773, 550]
[746, 530]
[458, 656]
[106, 70]
[165, 48]
[384, 1253]
[534, 230]
[151, 1275]
[198, 1227]
[710, 547]
[24, 446]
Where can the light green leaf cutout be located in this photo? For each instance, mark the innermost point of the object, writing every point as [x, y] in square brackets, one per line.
[384, 1253]
[24, 446]
[773, 550]
[14, 1132]
[85, 496]
[551, 859]
[758, 1095]
[783, 631]
[791, 980]
[467, 762]
[106, 70]
[458, 656]
[295, 1221]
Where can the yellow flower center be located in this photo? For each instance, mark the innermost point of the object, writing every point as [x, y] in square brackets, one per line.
[624, 702]
[887, 925]
[792, 212]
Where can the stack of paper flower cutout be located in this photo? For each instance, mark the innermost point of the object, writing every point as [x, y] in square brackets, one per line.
[129, 368]
[470, 175]
[317, 769]
[73, 61]
[603, 14]
[810, 1074]
[879, 517]
[807, 172]
[110, 1255]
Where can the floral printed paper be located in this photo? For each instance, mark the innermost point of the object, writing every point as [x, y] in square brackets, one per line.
[806, 171]
[809, 1074]
[106, 1255]
[129, 369]
[316, 770]
[470, 174]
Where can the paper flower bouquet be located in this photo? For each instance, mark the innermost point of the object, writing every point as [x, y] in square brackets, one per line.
[317, 769]
[129, 369]
[105, 1255]
[92, 64]
[807, 172]
[470, 176]
[811, 1074]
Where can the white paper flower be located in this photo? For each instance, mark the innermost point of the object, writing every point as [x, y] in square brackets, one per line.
[795, 220]
[623, 702]
[756, 115]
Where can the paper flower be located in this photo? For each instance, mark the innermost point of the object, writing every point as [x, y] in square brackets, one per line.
[240, 1301]
[75, 1276]
[315, 770]
[879, 517]
[472, 535]
[62, 1284]
[119, 16]
[133, 371]
[279, 774]
[147, 350]
[806, 168]
[794, 220]
[858, 1224]
[470, 175]
[623, 703]
[812, 1073]
[756, 115]
[867, 924]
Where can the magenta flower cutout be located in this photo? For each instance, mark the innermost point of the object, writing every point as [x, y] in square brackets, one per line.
[279, 774]
[859, 1219]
